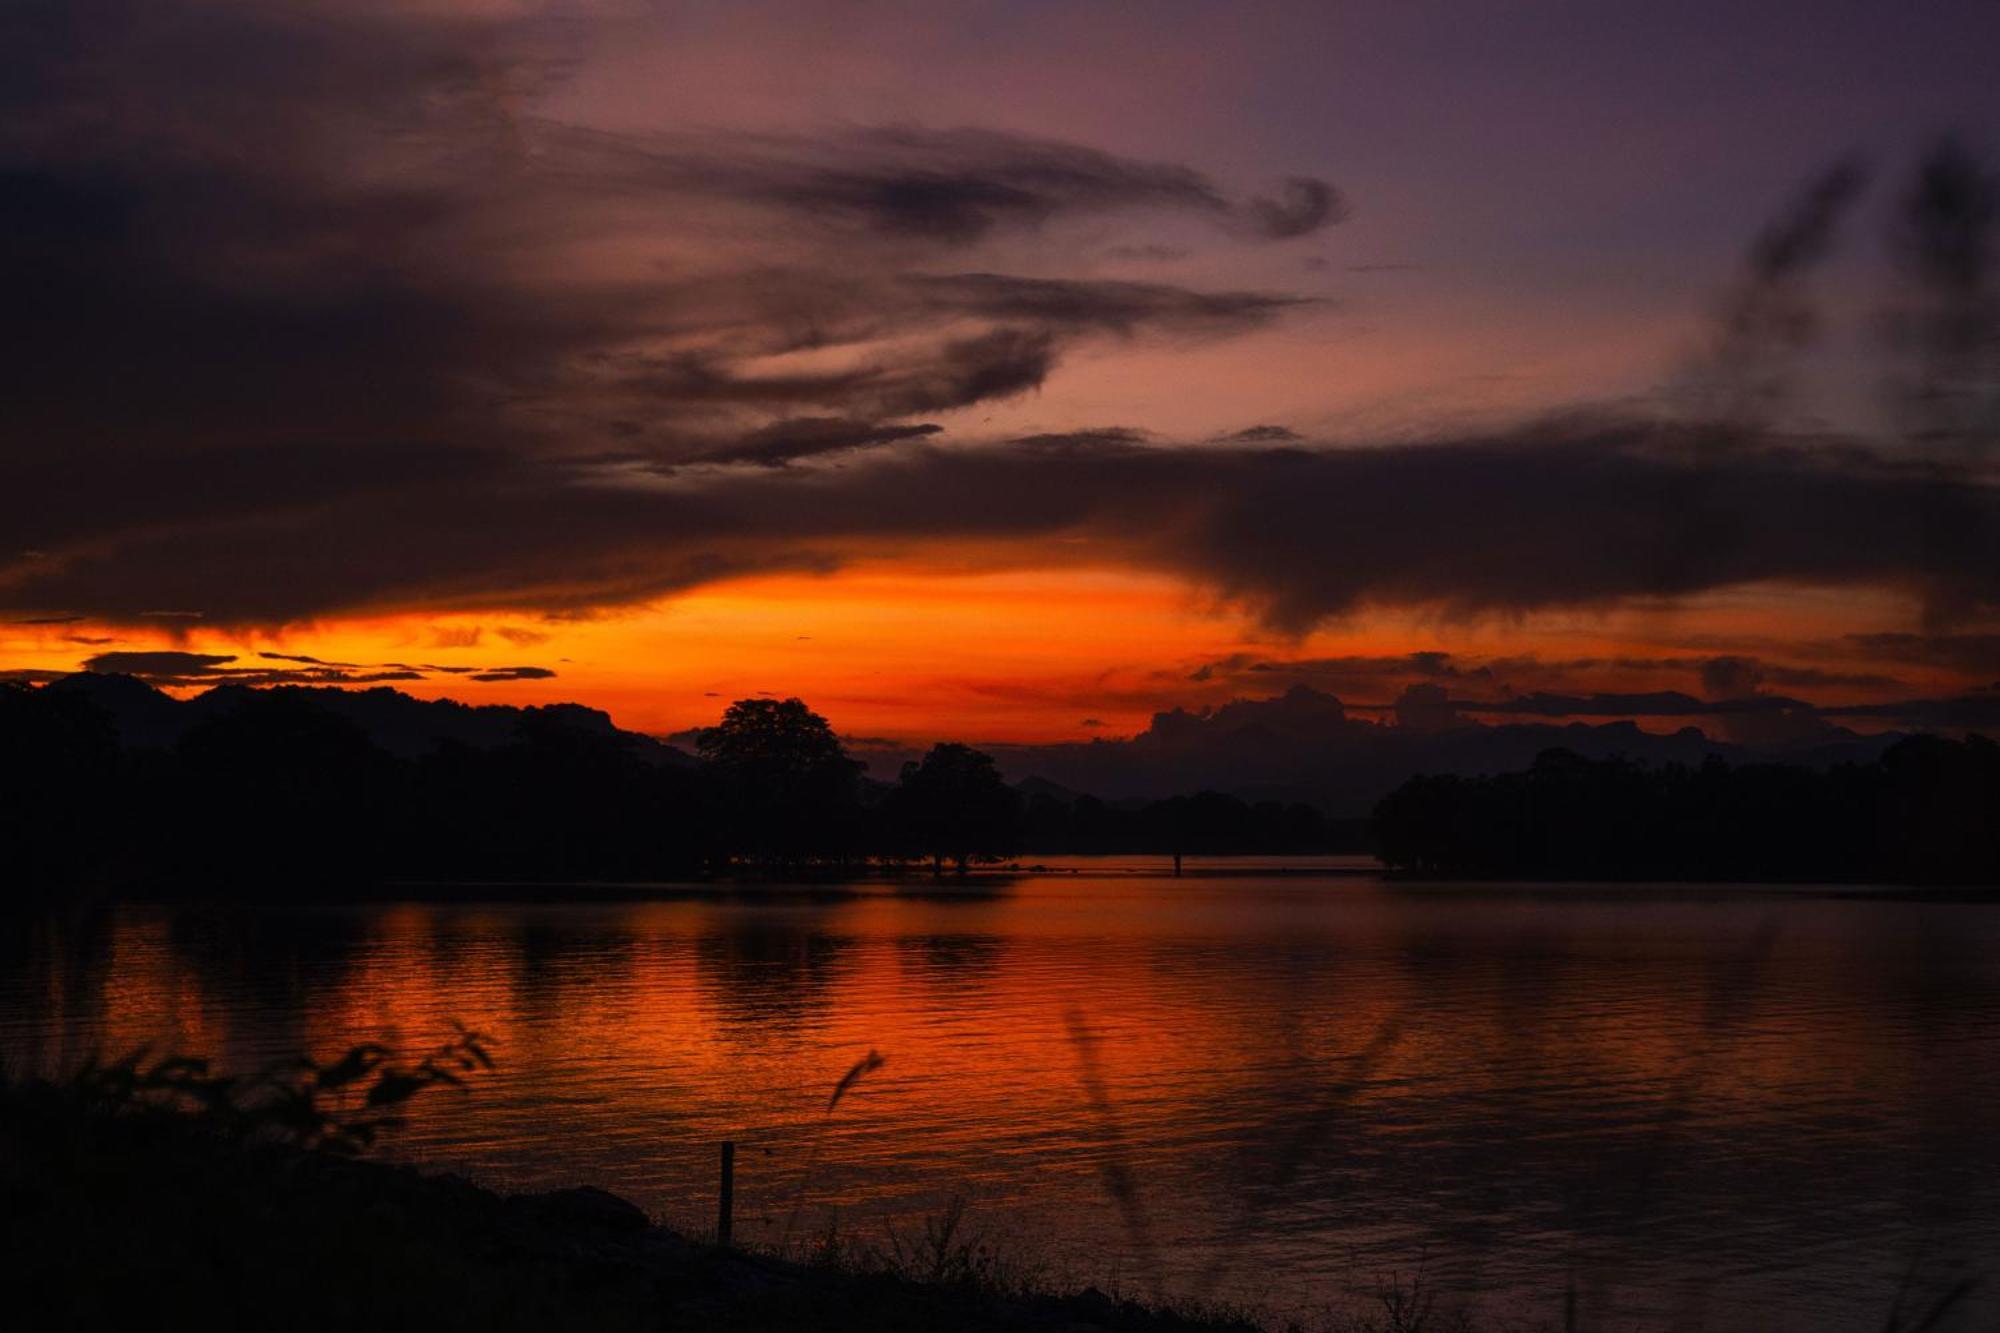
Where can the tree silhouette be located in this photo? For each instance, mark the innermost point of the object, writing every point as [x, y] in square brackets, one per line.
[282, 785]
[1927, 811]
[265, 793]
[56, 780]
[954, 806]
[789, 791]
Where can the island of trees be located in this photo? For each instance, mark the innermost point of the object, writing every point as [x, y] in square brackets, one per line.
[107, 782]
[1926, 812]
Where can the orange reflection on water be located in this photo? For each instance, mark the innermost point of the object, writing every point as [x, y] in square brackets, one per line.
[1297, 1075]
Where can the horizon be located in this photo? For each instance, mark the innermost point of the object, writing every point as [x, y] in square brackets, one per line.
[1304, 747]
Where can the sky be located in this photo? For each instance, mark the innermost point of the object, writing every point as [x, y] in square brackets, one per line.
[1007, 372]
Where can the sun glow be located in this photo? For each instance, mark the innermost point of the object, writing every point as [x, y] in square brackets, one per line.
[900, 651]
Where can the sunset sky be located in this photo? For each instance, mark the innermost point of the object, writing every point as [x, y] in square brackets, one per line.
[1006, 371]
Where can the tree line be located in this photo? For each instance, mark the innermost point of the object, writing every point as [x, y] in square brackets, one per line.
[278, 789]
[1927, 811]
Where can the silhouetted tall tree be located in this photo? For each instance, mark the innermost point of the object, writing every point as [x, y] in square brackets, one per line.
[954, 806]
[789, 790]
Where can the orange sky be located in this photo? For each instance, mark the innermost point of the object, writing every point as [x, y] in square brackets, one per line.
[909, 652]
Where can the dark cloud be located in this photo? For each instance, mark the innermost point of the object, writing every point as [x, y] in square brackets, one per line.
[1653, 703]
[1427, 706]
[148, 664]
[1156, 254]
[306, 318]
[956, 187]
[184, 669]
[515, 673]
[1265, 435]
[1975, 712]
[806, 437]
[301, 657]
[1125, 308]
[262, 259]
[1770, 316]
[1302, 207]
[1307, 745]
[1978, 653]
[1950, 250]
[1797, 677]
[1731, 677]
[1564, 515]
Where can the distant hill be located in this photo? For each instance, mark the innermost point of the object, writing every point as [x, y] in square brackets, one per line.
[409, 728]
[1302, 746]
[1305, 746]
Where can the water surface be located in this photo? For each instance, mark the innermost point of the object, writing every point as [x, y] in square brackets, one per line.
[1718, 1108]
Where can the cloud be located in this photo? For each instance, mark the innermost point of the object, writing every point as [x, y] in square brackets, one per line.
[310, 317]
[272, 264]
[1654, 703]
[191, 670]
[300, 657]
[149, 664]
[806, 437]
[952, 187]
[1731, 677]
[1562, 515]
[1769, 316]
[1499, 682]
[1978, 653]
[1303, 206]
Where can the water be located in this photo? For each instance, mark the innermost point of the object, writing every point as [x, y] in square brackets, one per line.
[1723, 1109]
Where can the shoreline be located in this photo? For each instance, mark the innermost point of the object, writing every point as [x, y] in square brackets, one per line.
[149, 1218]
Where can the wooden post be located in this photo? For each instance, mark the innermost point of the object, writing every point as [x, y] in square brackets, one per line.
[728, 1201]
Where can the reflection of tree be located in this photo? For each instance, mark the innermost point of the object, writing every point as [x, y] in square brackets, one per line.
[953, 806]
[953, 962]
[768, 972]
[564, 960]
[282, 960]
[789, 791]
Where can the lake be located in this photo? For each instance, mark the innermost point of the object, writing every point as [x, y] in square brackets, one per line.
[1728, 1108]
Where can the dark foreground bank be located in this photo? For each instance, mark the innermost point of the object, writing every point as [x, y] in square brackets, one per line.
[154, 1220]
